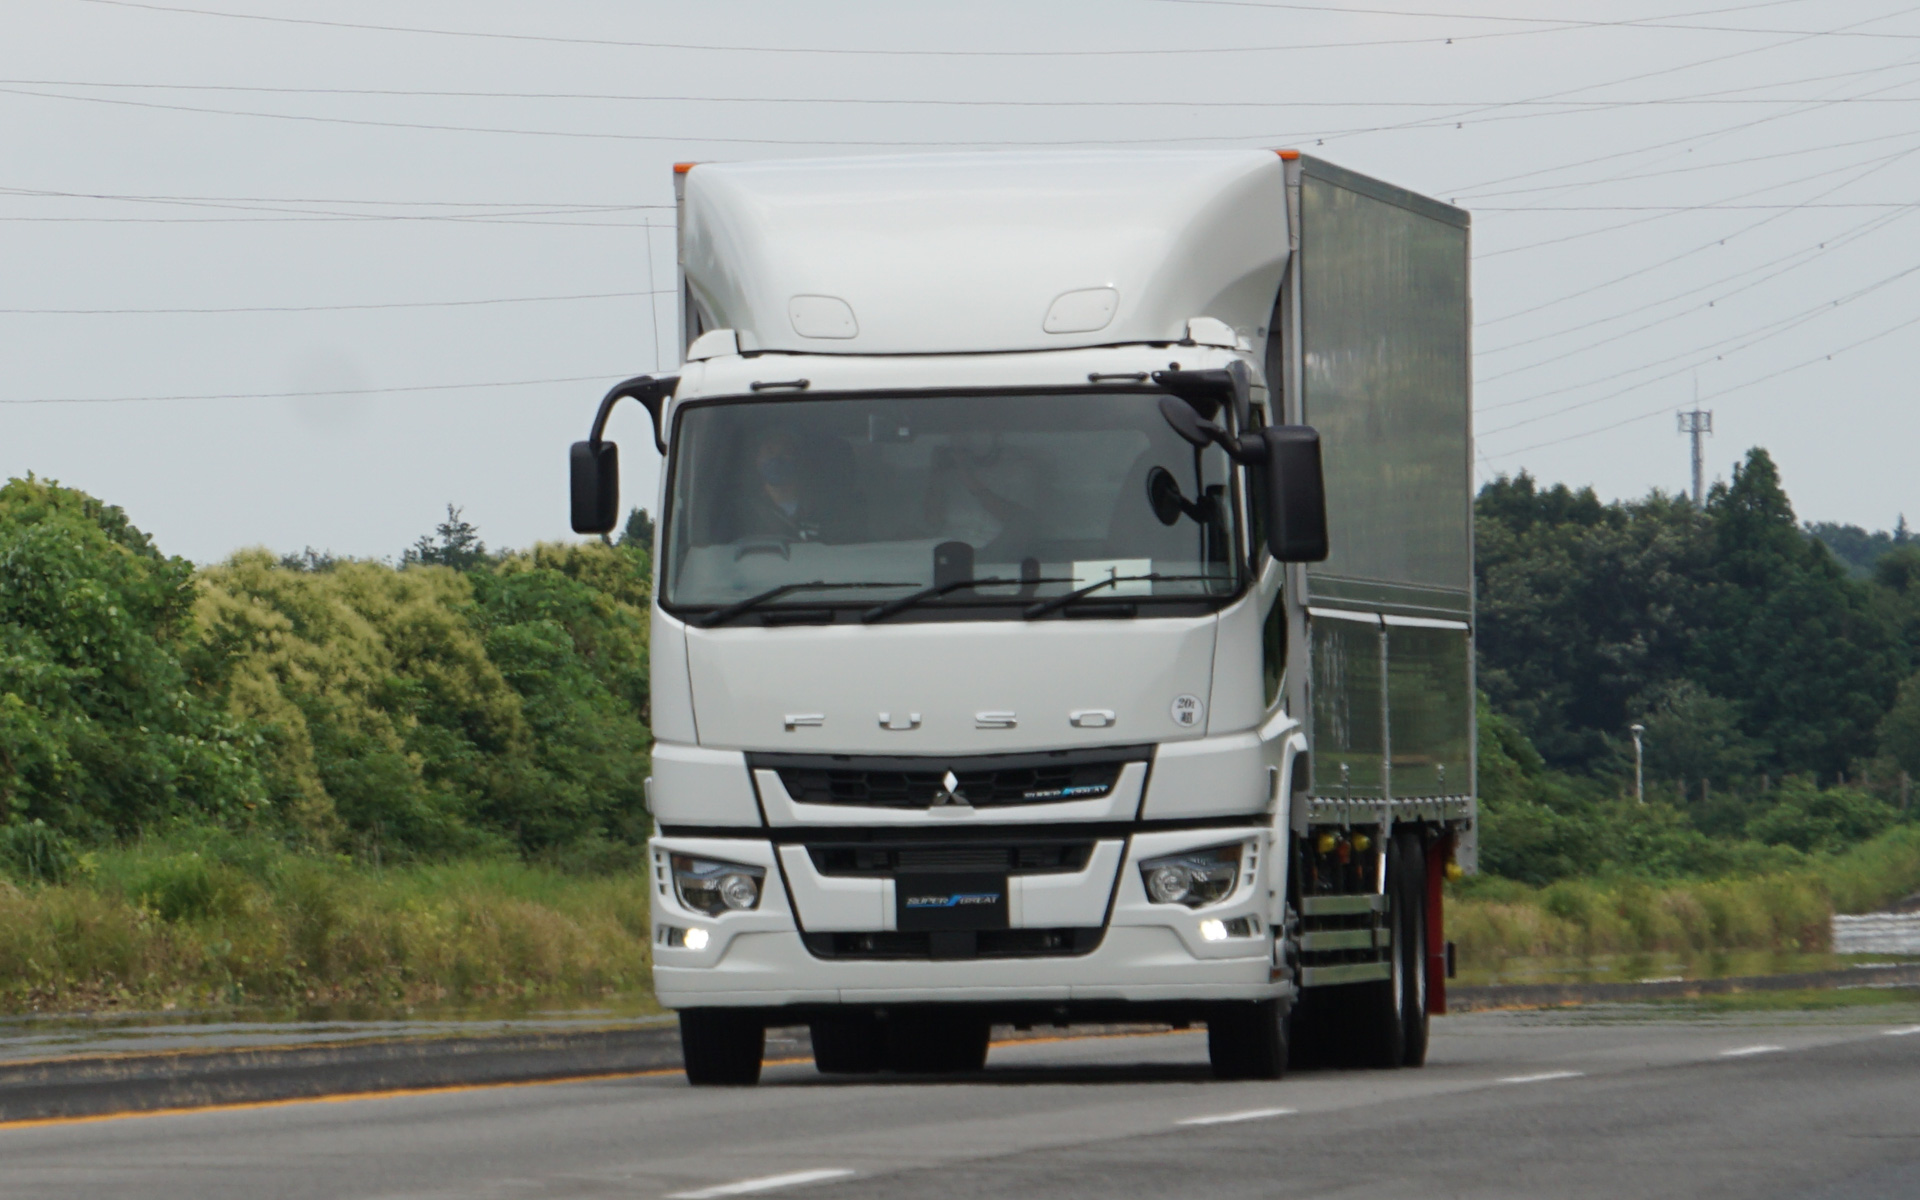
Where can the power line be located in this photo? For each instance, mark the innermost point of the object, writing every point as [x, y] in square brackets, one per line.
[1756, 337]
[1663, 320]
[1558, 22]
[300, 308]
[1471, 188]
[1559, 208]
[1710, 98]
[838, 51]
[166, 199]
[1804, 253]
[374, 391]
[1754, 382]
[1873, 165]
[1772, 156]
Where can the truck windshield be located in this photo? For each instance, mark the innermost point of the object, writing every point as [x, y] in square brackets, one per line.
[1051, 492]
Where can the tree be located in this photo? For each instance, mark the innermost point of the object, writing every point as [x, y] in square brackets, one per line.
[102, 727]
[1692, 734]
[459, 545]
[639, 530]
[1585, 610]
[1810, 658]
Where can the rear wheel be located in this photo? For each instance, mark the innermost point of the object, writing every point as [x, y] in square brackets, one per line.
[848, 1044]
[1248, 1041]
[936, 1043]
[1410, 944]
[722, 1046]
[1379, 1013]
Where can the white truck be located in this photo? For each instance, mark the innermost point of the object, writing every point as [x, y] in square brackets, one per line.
[1063, 606]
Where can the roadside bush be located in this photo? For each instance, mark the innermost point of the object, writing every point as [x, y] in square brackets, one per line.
[34, 852]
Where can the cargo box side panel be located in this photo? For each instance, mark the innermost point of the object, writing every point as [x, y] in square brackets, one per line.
[1384, 328]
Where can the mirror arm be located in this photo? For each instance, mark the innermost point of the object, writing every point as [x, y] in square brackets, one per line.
[650, 391]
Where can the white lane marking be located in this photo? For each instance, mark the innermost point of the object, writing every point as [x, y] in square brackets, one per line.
[766, 1183]
[1901, 1032]
[1743, 1051]
[1251, 1114]
[1543, 1076]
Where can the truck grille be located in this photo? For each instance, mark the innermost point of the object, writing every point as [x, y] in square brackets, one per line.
[988, 943]
[870, 859]
[985, 781]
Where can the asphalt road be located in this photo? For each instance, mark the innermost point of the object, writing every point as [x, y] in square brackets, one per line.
[1594, 1103]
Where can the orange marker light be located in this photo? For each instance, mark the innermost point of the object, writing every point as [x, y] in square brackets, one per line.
[1285, 155]
[683, 168]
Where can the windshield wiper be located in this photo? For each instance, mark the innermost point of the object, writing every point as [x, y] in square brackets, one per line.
[720, 616]
[1046, 607]
[882, 611]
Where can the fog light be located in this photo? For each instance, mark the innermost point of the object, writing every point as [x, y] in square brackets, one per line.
[1213, 931]
[683, 939]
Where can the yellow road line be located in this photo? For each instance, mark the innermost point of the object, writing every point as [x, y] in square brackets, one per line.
[345, 1097]
[450, 1089]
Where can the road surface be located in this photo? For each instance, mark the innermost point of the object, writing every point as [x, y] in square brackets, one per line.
[1568, 1104]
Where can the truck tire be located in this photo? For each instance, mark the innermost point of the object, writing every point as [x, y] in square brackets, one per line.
[936, 1043]
[1248, 1041]
[1379, 1012]
[722, 1047]
[1410, 943]
[848, 1044]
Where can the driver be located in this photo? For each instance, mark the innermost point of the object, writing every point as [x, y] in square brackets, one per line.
[783, 499]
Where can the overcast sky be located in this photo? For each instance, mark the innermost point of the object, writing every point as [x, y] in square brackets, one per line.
[441, 221]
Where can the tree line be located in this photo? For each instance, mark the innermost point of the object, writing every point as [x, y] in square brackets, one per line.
[461, 701]
[1778, 686]
[464, 700]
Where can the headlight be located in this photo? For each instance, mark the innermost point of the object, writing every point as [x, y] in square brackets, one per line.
[712, 887]
[1193, 878]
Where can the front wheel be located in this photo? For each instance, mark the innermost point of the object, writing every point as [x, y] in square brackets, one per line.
[722, 1047]
[1248, 1041]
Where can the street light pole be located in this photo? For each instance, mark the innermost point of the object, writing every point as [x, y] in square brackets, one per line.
[1639, 774]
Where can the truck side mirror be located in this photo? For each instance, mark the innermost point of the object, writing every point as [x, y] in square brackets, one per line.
[595, 470]
[594, 465]
[1296, 493]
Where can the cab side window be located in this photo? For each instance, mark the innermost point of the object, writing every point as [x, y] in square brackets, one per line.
[1273, 648]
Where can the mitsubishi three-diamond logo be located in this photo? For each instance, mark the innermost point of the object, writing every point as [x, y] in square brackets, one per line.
[949, 792]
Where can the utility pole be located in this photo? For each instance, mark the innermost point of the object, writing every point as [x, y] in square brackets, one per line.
[1639, 775]
[1697, 423]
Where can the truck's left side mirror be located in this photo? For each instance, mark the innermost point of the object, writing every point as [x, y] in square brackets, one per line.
[595, 471]
[594, 465]
[1296, 493]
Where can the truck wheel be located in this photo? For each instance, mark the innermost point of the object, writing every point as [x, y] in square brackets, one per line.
[1410, 943]
[1379, 1012]
[722, 1046]
[1313, 1036]
[1248, 1041]
[848, 1044]
[937, 1043]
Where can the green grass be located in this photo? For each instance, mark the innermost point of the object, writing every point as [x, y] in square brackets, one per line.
[1800, 1000]
[1492, 920]
[210, 920]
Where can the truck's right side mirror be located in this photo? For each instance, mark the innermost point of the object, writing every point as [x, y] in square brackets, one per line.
[1296, 493]
[595, 471]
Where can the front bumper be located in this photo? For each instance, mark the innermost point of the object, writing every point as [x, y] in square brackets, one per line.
[1147, 953]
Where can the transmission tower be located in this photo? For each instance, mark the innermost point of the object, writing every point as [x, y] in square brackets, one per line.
[1697, 423]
